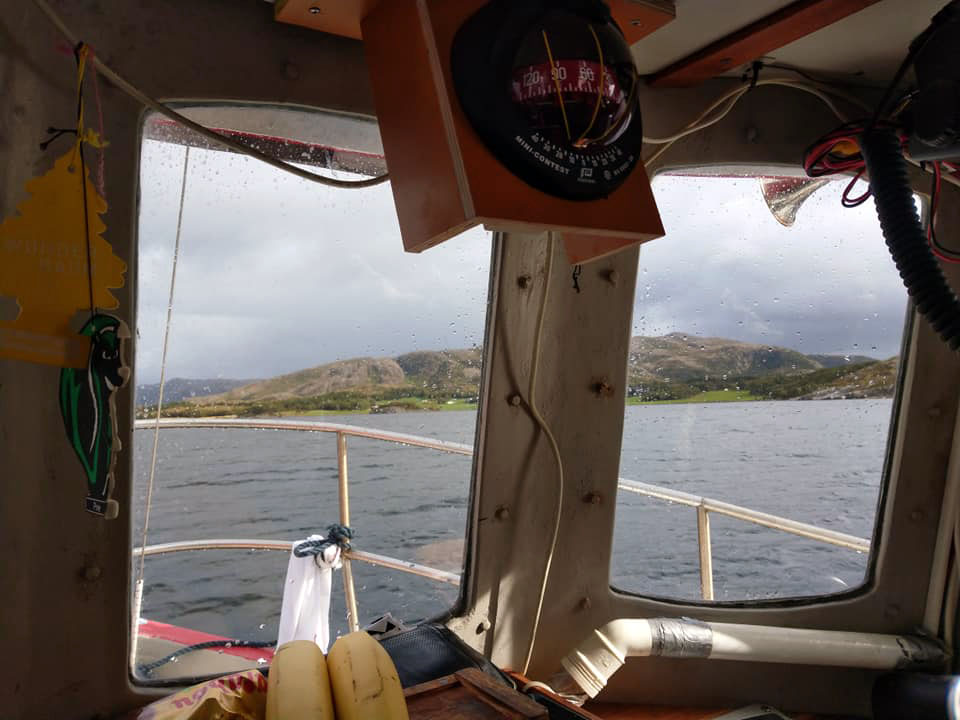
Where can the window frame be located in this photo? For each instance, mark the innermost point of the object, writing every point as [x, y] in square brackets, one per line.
[372, 161]
[868, 585]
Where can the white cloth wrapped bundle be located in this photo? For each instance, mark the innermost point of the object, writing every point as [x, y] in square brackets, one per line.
[305, 612]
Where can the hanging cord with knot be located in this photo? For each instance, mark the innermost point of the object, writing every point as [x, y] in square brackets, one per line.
[339, 535]
[221, 140]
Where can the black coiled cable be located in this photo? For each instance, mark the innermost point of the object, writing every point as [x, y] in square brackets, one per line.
[146, 669]
[905, 235]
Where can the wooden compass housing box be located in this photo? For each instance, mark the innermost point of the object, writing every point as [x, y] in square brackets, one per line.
[444, 178]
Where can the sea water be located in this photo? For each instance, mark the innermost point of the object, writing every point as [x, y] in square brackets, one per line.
[815, 462]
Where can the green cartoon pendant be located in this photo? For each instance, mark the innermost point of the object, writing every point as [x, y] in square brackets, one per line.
[88, 408]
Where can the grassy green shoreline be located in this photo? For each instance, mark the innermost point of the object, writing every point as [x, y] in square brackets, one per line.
[415, 405]
[874, 379]
[301, 408]
[671, 369]
[322, 407]
[707, 396]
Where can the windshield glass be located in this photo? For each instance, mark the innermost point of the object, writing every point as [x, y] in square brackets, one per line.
[294, 302]
[761, 384]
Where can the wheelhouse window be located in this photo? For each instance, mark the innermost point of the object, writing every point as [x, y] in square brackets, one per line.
[762, 380]
[293, 302]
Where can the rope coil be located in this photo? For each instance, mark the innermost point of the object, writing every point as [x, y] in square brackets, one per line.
[339, 535]
[201, 130]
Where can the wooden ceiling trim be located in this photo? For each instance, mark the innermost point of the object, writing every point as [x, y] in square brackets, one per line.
[780, 28]
[337, 17]
[637, 18]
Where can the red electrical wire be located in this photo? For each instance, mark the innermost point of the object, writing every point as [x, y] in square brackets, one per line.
[849, 202]
[827, 157]
[937, 249]
[934, 201]
[823, 158]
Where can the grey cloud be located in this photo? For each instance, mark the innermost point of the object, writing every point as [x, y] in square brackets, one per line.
[276, 274]
[826, 285]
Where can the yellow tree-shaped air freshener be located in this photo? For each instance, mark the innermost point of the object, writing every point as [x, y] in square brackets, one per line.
[44, 269]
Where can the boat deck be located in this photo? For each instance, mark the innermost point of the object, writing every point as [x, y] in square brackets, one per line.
[157, 640]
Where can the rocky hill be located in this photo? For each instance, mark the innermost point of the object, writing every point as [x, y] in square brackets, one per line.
[333, 377]
[862, 380]
[670, 367]
[681, 358]
[454, 372]
[355, 384]
[179, 389]
[829, 361]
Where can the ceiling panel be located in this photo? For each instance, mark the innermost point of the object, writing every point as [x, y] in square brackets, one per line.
[869, 44]
[698, 23]
[873, 41]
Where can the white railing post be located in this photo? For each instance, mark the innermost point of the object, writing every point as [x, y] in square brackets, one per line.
[348, 590]
[831, 537]
[706, 552]
[135, 621]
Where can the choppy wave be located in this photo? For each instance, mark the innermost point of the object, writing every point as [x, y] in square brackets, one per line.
[818, 462]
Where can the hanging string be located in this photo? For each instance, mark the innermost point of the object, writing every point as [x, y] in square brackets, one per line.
[86, 230]
[600, 87]
[204, 132]
[538, 418]
[138, 587]
[80, 53]
[555, 73]
[56, 134]
[101, 184]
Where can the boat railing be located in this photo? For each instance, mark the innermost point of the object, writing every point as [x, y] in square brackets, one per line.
[704, 506]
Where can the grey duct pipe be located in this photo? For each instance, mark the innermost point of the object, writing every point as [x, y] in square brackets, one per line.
[605, 651]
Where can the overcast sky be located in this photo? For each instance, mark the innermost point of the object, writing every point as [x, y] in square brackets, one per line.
[278, 274]
[727, 268]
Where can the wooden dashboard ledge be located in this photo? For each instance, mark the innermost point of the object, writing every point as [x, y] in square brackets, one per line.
[609, 711]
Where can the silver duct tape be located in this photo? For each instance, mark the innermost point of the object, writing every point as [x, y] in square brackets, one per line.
[681, 638]
[918, 652]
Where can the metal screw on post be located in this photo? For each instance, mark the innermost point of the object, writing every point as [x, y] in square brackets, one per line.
[602, 388]
[92, 573]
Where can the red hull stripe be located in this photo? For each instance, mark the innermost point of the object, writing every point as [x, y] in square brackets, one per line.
[185, 636]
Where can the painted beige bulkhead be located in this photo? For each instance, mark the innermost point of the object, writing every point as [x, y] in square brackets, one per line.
[586, 339]
[67, 574]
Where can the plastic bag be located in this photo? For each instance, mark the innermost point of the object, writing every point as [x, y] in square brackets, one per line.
[241, 696]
